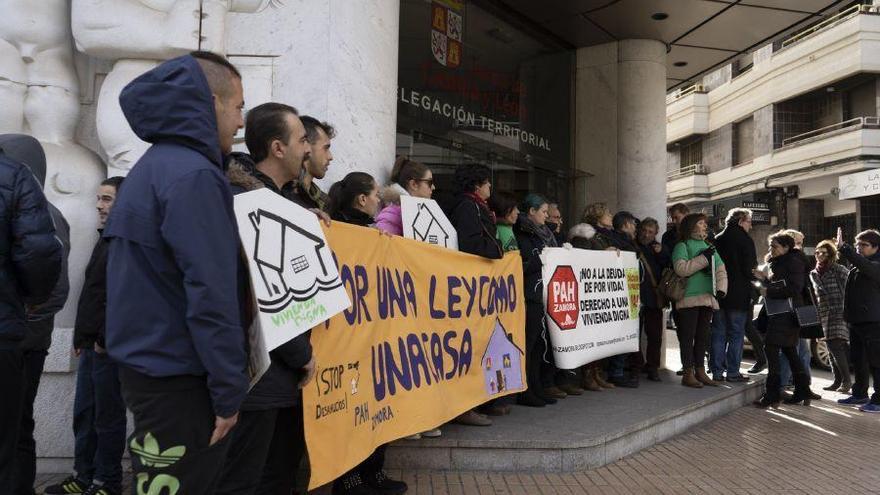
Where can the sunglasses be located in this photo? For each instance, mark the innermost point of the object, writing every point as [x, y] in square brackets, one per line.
[430, 182]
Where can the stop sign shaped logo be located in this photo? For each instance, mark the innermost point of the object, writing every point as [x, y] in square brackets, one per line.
[562, 298]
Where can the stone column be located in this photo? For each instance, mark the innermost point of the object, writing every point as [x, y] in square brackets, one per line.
[641, 129]
[620, 134]
[335, 60]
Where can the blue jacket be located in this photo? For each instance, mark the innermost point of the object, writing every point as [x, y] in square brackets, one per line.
[30, 254]
[172, 264]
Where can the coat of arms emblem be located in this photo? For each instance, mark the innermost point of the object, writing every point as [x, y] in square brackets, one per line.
[446, 31]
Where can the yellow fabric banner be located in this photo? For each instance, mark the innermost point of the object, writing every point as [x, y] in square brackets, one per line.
[430, 334]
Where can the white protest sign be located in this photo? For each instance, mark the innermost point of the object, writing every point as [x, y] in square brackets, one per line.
[592, 304]
[295, 281]
[424, 220]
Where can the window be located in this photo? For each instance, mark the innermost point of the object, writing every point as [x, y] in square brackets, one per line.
[744, 141]
[742, 65]
[691, 153]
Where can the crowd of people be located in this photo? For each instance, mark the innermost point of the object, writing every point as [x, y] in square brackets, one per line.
[161, 319]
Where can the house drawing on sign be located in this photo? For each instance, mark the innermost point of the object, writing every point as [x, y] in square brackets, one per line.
[427, 228]
[292, 262]
[502, 363]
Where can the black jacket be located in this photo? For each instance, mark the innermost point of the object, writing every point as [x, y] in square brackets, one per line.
[648, 259]
[475, 228]
[669, 240]
[277, 387]
[30, 253]
[530, 247]
[861, 300]
[91, 310]
[737, 250]
[783, 329]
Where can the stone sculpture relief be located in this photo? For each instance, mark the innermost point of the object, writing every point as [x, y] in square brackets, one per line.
[136, 34]
[39, 95]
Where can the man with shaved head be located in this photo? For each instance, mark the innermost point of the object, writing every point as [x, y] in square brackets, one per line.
[173, 323]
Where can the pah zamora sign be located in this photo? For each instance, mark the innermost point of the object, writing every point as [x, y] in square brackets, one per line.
[431, 333]
[592, 304]
[295, 281]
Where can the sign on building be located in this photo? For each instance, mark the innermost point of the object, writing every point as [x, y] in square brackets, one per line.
[424, 220]
[294, 278]
[857, 185]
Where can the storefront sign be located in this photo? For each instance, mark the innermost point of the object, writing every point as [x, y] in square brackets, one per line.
[431, 333]
[756, 206]
[592, 302]
[865, 183]
[294, 279]
[424, 220]
[468, 118]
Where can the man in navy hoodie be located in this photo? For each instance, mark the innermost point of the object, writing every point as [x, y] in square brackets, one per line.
[173, 316]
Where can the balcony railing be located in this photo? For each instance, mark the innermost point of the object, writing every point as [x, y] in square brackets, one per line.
[851, 124]
[681, 93]
[829, 23]
[695, 169]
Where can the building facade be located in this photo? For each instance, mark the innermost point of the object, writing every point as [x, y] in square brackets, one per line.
[780, 127]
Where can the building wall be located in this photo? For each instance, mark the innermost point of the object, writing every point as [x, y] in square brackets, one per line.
[718, 148]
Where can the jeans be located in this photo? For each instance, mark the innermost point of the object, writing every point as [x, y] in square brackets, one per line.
[26, 455]
[728, 331]
[98, 420]
[803, 352]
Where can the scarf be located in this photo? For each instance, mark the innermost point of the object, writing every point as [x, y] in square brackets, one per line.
[530, 227]
[482, 204]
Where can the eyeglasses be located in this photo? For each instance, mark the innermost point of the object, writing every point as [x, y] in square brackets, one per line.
[430, 182]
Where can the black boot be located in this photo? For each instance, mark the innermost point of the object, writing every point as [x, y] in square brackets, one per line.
[771, 393]
[381, 483]
[802, 392]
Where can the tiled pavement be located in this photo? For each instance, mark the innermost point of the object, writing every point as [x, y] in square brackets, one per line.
[824, 449]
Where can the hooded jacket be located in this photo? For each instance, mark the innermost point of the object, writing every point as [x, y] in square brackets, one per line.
[41, 317]
[277, 387]
[31, 255]
[173, 260]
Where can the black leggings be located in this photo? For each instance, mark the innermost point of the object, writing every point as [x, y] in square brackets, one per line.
[693, 335]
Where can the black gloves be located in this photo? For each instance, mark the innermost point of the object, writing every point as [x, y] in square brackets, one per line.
[708, 253]
[720, 295]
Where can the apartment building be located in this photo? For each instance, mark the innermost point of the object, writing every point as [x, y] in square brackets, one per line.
[790, 130]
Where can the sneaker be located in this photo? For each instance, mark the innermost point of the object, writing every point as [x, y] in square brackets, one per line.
[381, 483]
[870, 408]
[852, 400]
[351, 485]
[71, 485]
[435, 433]
[95, 489]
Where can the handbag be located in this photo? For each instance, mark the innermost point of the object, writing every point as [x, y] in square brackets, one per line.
[808, 320]
[672, 286]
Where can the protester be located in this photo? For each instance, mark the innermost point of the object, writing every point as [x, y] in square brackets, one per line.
[173, 319]
[355, 200]
[40, 318]
[98, 409]
[532, 236]
[554, 223]
[623, 238]
[651, 260]
[32, 262]
[737, 250]
[693, 258]
[268, 442]
[755, 337]
[474, 223]
[586, 235]
[861, 309]
[408, 178]
[786, 281]
[677, 212]
[803, 345]
[829, 282]
[319, 134]
[504, 207]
